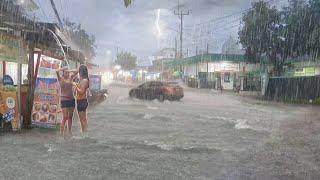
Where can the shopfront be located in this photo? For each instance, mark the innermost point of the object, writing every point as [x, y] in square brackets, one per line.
[13, 70]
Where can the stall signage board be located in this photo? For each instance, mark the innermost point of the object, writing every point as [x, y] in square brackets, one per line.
[95, 82]
[45, 111]
[7, 80]
[306, 71]
[310, 71]
[9, 106]
[11, 47]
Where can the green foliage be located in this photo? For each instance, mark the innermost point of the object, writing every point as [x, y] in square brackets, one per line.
[126, 60]
[256, 35]
[317, 101]
[281, 34]
[84, 41]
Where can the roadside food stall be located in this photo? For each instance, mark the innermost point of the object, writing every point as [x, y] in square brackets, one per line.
[13, 68]
[97, 93]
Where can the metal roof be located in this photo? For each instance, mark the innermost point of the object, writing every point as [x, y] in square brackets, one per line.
[207, 58]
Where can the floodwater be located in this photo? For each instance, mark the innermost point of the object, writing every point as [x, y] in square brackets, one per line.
[208, 135]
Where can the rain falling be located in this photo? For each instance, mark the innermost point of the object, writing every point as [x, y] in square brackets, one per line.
[160, 89]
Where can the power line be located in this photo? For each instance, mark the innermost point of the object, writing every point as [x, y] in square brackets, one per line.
[181, 14]
[219, 21]
[233, 14]
[56, 13]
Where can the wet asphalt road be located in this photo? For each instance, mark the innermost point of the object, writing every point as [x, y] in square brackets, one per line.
[207, 135]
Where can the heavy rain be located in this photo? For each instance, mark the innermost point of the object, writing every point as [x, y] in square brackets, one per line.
[160, 89]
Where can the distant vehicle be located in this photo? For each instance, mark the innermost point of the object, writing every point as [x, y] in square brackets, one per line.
[98, 96]
[157, 90]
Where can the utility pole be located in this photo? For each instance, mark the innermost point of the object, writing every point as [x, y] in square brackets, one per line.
[175, 48]
[196, 50]
[207, 66]
[181, 13]
[56, 13]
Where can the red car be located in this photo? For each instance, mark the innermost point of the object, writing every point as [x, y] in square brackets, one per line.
[157, 90]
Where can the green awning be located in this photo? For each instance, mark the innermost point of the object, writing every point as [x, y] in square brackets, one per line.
[207, 58]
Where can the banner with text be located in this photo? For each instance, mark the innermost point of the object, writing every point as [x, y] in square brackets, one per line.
[9, 106]
[46, 111]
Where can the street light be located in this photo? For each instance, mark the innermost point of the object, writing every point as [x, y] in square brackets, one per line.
[117, 67]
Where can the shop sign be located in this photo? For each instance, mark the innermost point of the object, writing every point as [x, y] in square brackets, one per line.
[306, 71]
[9, 106]
[223, 66]
[310, 71]
[45, 111]
[95, 82]
[10, 48]
[7, 80]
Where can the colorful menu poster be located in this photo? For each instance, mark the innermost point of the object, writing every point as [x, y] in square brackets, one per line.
[9, 106]
[46, 111]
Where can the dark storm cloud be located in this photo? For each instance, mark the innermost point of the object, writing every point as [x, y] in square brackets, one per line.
[133, 28]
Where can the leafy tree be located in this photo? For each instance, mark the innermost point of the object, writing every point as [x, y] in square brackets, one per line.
[126, 60]
[290, 33]
[296, 17]
[84, 41]
[313, 43]
[264, 34]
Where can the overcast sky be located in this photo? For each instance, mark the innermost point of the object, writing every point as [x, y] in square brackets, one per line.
[133, 28]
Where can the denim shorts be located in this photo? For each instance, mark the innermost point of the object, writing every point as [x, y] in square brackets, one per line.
[82, 105]
[68, 103]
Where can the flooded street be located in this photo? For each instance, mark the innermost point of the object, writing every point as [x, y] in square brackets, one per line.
[207, 135]
[162, 89]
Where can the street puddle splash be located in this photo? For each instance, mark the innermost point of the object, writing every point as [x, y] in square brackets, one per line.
[242, 124]
[157, 117]
[49, 147]
[152, 107]
[238, 123]
[148, 116]
[162, 146]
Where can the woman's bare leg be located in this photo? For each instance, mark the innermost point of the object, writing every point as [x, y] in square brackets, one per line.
[70, 117]
[63, 122]
[83, 120]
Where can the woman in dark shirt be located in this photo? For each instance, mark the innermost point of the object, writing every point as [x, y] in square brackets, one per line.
[66, 97]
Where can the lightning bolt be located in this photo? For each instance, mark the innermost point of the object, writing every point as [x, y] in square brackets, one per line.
[158, 26]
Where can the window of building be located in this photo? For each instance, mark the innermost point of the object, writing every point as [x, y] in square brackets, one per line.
[226, 77]
[24, 74]
[11, 70]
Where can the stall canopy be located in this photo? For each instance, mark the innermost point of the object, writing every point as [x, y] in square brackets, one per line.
[13, 15]
[29, 5]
